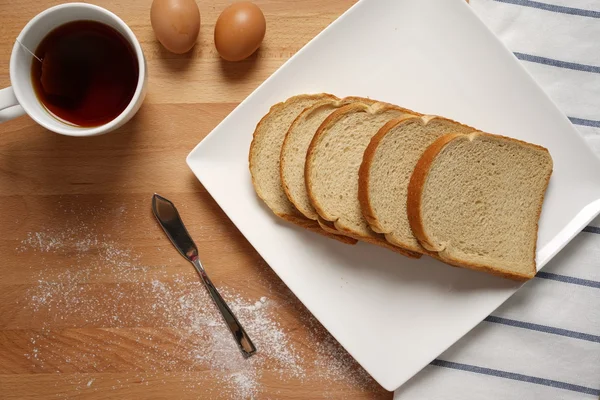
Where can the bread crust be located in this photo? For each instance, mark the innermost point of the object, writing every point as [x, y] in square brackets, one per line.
[365, 168]
[414, 209]
[296, 218]
[364, 174]
[415, 190]
[314, 226]
[328, 122]
[325, 225]
[256, 137]
[282, 163]
[329, 226]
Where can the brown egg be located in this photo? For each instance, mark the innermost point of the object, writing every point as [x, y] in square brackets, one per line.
[176, 24]
[239, 31]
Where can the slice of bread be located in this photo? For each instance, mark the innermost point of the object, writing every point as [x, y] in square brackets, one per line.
[475, 201]
[295, 147]
[333, 159]
[264, 158]
[387, 166]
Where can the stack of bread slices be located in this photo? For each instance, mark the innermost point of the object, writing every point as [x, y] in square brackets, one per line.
[357, 169]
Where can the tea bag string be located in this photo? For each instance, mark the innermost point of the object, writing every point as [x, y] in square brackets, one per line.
[29, 51]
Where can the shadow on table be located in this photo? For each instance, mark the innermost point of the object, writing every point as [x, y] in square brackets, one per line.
[175, 63]
[42, 165]
[238, 70]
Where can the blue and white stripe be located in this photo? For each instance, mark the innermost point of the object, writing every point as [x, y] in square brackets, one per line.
[544, 342]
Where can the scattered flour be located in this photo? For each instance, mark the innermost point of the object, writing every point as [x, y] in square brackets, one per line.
[192, 336]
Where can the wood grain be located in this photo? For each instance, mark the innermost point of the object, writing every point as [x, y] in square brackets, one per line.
[100, 187]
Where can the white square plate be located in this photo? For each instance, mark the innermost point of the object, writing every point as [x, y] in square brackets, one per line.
[393, 314]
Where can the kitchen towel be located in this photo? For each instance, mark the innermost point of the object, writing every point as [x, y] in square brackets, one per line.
[544, 342]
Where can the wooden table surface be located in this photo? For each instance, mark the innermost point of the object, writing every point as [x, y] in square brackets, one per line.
[94, 302]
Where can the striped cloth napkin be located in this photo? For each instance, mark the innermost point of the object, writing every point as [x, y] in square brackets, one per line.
[544, 342]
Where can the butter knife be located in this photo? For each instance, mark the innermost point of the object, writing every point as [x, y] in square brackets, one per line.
[169, 219]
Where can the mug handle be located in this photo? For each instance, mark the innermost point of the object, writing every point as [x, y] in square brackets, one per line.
[9, 105]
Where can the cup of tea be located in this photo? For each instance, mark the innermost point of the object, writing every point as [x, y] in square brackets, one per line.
[87, 75]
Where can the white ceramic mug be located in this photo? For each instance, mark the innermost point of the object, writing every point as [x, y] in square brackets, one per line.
[20, 98]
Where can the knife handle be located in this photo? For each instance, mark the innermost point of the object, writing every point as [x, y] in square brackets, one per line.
[239, 334]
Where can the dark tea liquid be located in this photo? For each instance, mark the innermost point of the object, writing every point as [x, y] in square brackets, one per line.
[88, 75]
